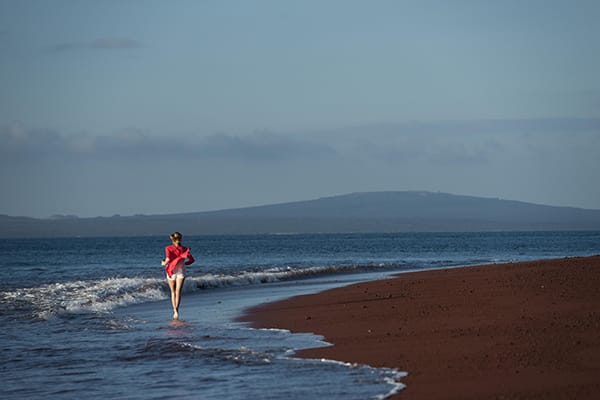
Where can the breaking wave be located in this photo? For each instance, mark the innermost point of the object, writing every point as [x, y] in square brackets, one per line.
[102, 296]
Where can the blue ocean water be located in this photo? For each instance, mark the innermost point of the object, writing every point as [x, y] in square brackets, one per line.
[91, 316]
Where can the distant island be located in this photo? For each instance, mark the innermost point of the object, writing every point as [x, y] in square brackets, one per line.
[406, 211]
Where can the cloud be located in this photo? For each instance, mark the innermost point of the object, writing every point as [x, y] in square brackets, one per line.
[262, 146]
[460, 143]
[131, 143]
[64, 47]
[470, 142]
[97, 44]
[16, 142]
[482, 126]
[425, 148]
[258, 146]
[458, 153]
[114, 43]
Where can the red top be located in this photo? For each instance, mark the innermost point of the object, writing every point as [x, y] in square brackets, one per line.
[176, 254]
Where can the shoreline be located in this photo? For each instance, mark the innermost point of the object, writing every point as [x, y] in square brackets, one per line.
[527, 330]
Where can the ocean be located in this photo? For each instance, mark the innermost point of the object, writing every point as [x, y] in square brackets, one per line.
[91, 317]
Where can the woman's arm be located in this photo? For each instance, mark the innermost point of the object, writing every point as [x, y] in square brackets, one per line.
[190, 258]
[167, 259]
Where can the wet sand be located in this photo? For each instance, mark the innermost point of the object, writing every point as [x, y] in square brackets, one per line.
[511, 331]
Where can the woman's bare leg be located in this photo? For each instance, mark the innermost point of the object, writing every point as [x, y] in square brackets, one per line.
[174, 302]
[178, 288]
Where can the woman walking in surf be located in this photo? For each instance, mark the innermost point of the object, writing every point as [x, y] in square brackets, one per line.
[177, 257]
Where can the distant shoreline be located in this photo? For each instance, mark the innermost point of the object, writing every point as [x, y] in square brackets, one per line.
[520, 330]
[371, 212]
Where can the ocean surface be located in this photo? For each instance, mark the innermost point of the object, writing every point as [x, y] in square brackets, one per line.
[90, 317]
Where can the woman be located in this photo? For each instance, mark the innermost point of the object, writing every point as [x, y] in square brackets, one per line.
[176, 258]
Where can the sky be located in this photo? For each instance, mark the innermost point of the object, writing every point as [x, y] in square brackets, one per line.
[155, 107]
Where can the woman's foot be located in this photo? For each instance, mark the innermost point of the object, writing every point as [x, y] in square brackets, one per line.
[175, 315]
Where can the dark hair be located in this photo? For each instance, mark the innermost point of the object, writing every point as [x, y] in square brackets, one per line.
[176, 237]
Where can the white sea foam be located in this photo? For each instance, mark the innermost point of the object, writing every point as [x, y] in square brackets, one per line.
[95, 295]
[397, 386]
[269, 275]
[393, 379]
[104, 295]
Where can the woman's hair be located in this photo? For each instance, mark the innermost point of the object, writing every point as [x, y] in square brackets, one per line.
[176, 237]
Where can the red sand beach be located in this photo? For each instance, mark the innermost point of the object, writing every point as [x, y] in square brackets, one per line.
[512, 331]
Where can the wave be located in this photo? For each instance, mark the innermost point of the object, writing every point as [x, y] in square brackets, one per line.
[277, 274]
[102, 296]
[46, 301]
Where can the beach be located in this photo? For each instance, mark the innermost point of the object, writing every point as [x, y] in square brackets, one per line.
[528, 330]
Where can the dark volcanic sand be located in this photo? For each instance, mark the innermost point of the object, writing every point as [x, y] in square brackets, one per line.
[513, 331]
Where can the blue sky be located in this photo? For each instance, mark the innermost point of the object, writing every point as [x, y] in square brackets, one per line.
[170, 106]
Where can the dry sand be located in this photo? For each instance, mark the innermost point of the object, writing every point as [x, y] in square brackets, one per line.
[513, 331]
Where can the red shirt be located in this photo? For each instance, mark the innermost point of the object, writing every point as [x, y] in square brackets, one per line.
[176, 254]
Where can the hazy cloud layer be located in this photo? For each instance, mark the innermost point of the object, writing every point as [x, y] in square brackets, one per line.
[19, 142]
[484, 126]
[459, 142]
[464, 142]
[436, 148]
[262, 146]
